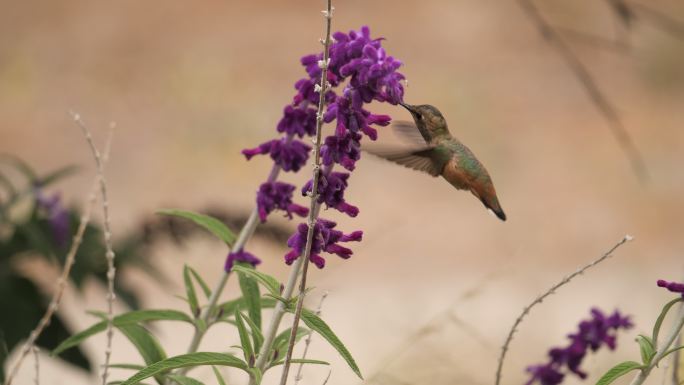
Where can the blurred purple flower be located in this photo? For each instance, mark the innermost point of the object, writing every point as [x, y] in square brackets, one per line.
[331, 192]
[672, 286]
[592, 335]
[278, 195]
[240, 256]
[57, 216]
[325, 238]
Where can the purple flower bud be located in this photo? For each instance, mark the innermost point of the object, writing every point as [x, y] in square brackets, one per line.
[57, 215]
[344, 150]
[298, 121]
[331, 192]
[325, 239]
[278, 195]
[672, 286]
[545, 374]
[240, 256]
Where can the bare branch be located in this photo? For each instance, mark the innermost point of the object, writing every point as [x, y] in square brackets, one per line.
[541, 298]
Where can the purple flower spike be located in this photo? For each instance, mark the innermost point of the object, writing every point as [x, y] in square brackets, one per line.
[672, 286]
[591, 336]
[57, 215]
[240, 256]
[298, 121]
[278, 195]
[345, 150]
[325, 239]
[331, 192]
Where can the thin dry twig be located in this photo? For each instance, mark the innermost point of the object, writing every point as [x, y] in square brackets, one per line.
[299, 376]
[593, 91]
[541, 298]
[313, 212]
[64, 276]
[109, 255]
[36, 366]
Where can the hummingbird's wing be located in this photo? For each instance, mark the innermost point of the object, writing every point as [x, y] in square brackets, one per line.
[421, 159]
[408, 132]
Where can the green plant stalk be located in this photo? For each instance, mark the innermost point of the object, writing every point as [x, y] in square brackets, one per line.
[313, 213]
[660, 352]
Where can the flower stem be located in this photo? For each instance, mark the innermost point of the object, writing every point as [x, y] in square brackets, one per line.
[313, 213]
[661, 350]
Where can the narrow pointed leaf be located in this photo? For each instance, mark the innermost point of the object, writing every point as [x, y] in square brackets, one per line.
[281, 341]
[129, 318]
[257, 337]
[618, 371]
[246, 344]
[215, 226]
[201, 282]
[56, 175]
[219, 377]
[250, 294]
[661, 318]
[146, 344]
[300, 361]
[127, 366]
[269, 282]
[316, 323]
[672, 351]
[186, 360]
[646, 349]
[227, 309]
[190, 292]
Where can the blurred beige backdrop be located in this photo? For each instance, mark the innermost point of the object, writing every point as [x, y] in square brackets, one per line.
[430, 293]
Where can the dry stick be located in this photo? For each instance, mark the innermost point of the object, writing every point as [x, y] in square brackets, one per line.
[540, 298]
[313, 213]
[607, 110]
[307, 343]
[327, 377]
[109, 255]
[675, 359]
[63, 278]
[36, 366]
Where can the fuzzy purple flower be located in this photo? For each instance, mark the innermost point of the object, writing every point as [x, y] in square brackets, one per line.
[325, 239]
[591, 336]
[344, 150]
[331, 192]
[672, 286]
[290, 155]
[240, 256]
[277, 195]
[298, 121]
[57, 216]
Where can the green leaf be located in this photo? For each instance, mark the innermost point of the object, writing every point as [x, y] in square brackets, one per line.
[646, 349]
[185, 360]
[218, 375]
[245, 342]
[215, 226]
[227, 309]
[257, 337]
[661, 318]
[201, 282]
[147, 345]
[183, 380]
[190, 292]
[256, 374]
[281, 341]
[20, 165]
[672, 351]
[129, 318]
[268, 281]
[300, 361]
[617, 371]
[250, 294]
[316, 323]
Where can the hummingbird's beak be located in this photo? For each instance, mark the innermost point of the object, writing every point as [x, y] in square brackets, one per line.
[407, 106]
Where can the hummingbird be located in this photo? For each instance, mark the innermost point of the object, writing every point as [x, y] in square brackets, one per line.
[436, 152]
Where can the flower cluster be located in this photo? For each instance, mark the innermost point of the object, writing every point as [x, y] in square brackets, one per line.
[592, 334]
[57, 216]
[240, 256]
[672, 286]
[360, 66]
[325, 238]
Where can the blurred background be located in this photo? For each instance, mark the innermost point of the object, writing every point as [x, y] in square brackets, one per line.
[431, 292]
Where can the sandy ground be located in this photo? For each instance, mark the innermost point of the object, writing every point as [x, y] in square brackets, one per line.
[430, 293]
